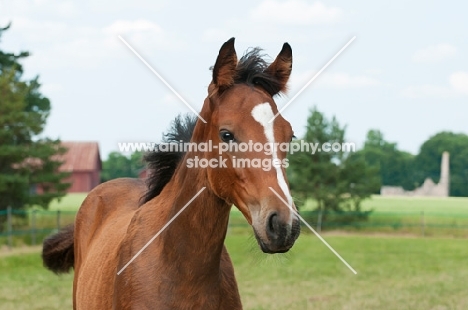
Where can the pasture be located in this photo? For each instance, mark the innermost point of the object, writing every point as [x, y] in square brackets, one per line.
[393, 273]
[441, 217]
[70, 202]
[438, 205]
[416, 216]
[451, 205]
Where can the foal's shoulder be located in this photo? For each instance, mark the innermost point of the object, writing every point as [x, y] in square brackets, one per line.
[114, 196]
[127, 188]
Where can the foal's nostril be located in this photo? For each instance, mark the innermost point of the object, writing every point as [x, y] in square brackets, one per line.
[272, 226]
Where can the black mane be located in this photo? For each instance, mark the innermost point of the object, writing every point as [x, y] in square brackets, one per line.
[161, 165]
[250, 70]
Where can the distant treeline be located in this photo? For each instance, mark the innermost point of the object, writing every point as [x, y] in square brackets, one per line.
[400, 168]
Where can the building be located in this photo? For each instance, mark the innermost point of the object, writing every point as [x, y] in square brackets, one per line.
[429, 188]
[143, 173]
[83, 161]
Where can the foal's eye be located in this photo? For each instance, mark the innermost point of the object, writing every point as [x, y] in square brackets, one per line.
[226, 135]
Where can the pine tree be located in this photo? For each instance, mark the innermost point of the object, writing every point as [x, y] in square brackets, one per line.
[336, 180]
[27, 162]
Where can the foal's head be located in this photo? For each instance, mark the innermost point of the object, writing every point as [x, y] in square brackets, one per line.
[239, 111]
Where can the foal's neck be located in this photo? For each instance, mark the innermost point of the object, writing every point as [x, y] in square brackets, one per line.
[199, 231]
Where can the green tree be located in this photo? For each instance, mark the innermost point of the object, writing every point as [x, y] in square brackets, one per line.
[26, 161]
[118, 165]
[427, 162]
[336, 180]
[362, 180]
[395, 167]
[315, 175]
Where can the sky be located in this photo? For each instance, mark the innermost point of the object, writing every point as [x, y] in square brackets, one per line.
[406, 73]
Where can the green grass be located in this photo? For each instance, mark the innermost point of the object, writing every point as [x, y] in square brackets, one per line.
[429, 216]
[391, 215]
[45, 220]
[25, 284]
[441, 216]
[393, 273]
[70, 202]
[436, 205]
[454, 205]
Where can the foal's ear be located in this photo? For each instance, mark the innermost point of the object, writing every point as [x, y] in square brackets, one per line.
[281, 67]
[224, 69]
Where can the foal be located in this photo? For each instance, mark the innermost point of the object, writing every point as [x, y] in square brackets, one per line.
[187, 265]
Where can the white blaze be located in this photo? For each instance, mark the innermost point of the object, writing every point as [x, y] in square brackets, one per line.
[263, 113]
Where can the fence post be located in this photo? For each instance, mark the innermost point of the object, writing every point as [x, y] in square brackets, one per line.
[9, 227]
[58, 219]
[33, 227]
[319, 220]
[423, 224]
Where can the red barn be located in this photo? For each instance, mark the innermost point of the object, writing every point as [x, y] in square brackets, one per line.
[83, 161]
[143, 174]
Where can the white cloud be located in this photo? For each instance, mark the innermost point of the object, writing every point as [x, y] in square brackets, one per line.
[142, 33]
[427, 90]
[374, 71]
[47, 9]
[62, 45]
[269, 20]
[459, 82]
[435, 53]
[457, 86]
[47, 33]
[338, 80]
[345, 80]
[119, 7]
[214, 35]
[56, 44]
[297, 12]
[129, 26]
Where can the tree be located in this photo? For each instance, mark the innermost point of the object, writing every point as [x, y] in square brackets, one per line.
[26, 161]
[362, 180]
[395, 167]
[427, 162]
[118, 165]
[315, 175]
[336, 180]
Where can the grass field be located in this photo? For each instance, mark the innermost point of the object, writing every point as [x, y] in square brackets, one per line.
[435, 205]
[440, 216]
[417, 216]
[70, 202]
[451, 205]
[428, 216]
[393, 273]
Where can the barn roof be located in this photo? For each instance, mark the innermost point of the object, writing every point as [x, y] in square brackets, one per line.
[81, 156]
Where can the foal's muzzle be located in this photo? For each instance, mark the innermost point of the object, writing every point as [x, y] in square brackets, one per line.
[280, 234]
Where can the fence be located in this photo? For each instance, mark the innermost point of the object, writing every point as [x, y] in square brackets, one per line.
[417, 223]
[19, 227]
